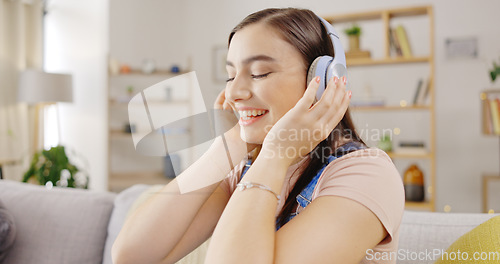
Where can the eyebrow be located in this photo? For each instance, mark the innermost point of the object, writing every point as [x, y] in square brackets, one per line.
[254, 58]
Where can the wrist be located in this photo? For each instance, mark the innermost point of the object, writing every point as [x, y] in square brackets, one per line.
[277, 155]
[287, 155]
[268, 170]
[226, 153]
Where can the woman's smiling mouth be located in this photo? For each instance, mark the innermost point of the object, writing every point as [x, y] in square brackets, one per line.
[250, 116]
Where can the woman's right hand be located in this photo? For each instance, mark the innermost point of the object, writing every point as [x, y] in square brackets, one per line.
[224, 118]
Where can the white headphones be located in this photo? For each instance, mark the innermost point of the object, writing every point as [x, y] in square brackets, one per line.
[327, 66]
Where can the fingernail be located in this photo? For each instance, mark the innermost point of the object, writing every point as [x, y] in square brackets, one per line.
[349, 93]
[335, 79]
[316, 79]
[344, 79]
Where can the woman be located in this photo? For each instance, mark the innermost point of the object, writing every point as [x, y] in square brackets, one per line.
[313, 192]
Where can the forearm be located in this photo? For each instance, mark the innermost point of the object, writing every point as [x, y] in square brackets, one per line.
[246, 230]
[158, 225]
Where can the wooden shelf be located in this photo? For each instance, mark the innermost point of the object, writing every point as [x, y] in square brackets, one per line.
[113, 102]
[379, 14]
[397, 155]
[409, 11]
[160, 72]
[121, 181]
[386, 61]
[118, 134]
[487, 118]
[419, 205]
[386, 19]
[390, 108]
[486, 179]
[8, 161]
[139, 175]
[140, 172]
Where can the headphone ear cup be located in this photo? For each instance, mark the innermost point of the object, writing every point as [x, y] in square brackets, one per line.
[319, 67]
[311, 73]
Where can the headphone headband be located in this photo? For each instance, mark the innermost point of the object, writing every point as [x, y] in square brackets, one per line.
[338, 51]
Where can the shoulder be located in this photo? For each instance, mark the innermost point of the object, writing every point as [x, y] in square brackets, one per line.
[370, 162]
[370, 178]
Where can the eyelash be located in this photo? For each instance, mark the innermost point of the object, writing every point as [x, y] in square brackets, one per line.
[253, 76]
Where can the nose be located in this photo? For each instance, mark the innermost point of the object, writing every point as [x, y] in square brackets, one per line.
[238, 89]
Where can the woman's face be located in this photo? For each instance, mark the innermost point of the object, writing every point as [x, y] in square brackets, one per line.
[267, 77]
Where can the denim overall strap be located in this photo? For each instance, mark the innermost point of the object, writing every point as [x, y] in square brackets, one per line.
[245, 169]
[304, 198]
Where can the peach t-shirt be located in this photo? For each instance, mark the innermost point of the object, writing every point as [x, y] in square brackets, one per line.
[366, 176]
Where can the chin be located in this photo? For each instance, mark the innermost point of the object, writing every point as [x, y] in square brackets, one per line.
[252, 138]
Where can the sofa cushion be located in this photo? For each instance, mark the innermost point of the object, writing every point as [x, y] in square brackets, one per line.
[480, 245]
[125, 204]
[122, 205]
[425, 235]
[58, 225]
[7, 231]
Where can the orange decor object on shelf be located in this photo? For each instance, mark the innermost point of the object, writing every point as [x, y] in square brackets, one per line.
[124, 69]
[414, 184]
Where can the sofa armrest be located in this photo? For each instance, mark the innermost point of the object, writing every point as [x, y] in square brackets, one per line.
[427, 232]
[61, 225]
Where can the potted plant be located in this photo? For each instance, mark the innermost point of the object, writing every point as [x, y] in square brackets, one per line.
[53, 168]
[494, 72]
[353, 33]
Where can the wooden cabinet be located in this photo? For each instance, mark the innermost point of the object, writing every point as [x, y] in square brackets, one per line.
[377, 25]
[490, 116]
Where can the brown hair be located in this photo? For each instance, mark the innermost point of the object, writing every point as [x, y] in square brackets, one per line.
[303, 30]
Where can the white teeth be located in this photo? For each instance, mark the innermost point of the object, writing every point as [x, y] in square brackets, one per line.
[245, 115]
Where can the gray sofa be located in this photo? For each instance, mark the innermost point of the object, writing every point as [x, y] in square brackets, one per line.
[78, 226]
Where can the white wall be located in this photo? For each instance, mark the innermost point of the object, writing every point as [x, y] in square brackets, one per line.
[463, 154]
[76, 42]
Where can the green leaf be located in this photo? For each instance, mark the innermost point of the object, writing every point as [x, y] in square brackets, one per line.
[47, 165]
[354, 30]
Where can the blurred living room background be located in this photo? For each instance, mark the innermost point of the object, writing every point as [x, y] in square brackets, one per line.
[112, 50]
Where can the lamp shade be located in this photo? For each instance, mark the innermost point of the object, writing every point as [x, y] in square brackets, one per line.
[42, 87]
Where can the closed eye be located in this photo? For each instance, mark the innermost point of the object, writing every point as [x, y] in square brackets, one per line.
[260, 76]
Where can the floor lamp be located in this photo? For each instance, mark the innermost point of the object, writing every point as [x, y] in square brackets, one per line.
[41, 89]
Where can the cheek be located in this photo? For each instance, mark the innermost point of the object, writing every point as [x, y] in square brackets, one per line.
[289, 97]
[282, 95]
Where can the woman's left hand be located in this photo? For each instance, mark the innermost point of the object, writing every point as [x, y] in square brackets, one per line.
[304, 126]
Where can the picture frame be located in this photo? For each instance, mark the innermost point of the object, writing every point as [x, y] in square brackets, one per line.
[219, 63]
[461, 48]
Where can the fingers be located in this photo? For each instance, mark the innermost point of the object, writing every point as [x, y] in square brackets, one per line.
[339, 114]
[332, 96]
[310, 94]
[333, 90]
[337, 105]
[340, 91]
[334, 101]
[219, 101]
